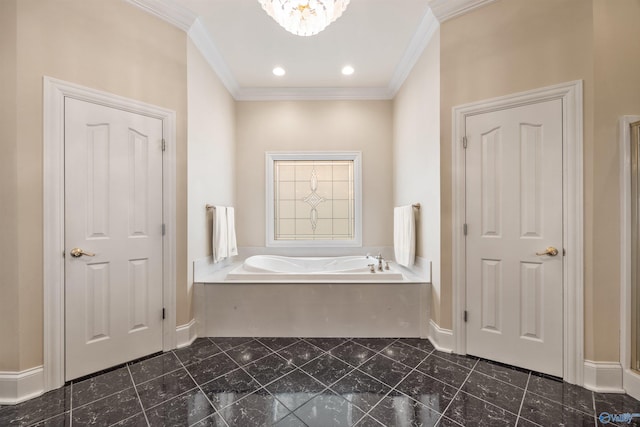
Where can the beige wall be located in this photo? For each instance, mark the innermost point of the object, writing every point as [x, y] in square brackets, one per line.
[314, 126]
[107, 45]
[511, 46]
[516, 45]
[416, 156]
[211, 171]
[9, 285]
[617, 93]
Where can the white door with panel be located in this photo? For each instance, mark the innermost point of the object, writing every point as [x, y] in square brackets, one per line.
[113, 237]
[514, 255]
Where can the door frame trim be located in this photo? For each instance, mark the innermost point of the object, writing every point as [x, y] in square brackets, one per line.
[573, 207]
[55, 91]
[630, 378]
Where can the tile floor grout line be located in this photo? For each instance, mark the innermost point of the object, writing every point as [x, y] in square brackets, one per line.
[201, 391]
[458, 391]
[392, 388]
[365, 361]
[317, 346]
[481, 399]
[207, 358]
[184, 365]
[103, 397]
[71, 405]
[296, 368]
[163, 374]
[135, 388]
[262, 387]
[368, 413]
[502, 381]
[286, 346]
[242, 368]
[330, 384]
[593, 405]
[438, 379]
[528, 391]
[271, 352]
[415, 369]
[524, 395]
[451, 361]
[375, 353]
[560, 403]
[314, 395]
[299, 368]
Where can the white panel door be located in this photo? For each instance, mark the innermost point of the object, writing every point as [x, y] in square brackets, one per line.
[514, 213]
[113, 212]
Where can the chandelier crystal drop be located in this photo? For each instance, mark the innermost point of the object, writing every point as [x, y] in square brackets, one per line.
[304, 17]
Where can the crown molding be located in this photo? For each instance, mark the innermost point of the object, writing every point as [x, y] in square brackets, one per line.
[183, 18]
[202, 40]
[447, 9]
[313, 94]
[167, 10]
[419, 42]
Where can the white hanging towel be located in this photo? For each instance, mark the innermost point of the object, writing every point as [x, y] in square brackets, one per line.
[219, 238]
[404, 235]
[231, 232]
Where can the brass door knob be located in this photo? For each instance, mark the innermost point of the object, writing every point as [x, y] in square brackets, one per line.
[77, 253]
[551, 251]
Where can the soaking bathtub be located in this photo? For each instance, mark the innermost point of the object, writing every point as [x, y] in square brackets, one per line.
[332, 269]
[276, 296]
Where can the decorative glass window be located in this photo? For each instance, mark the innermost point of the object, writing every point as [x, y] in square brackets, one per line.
[314, 199]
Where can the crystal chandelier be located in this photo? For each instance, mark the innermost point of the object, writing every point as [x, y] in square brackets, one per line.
[304, 17]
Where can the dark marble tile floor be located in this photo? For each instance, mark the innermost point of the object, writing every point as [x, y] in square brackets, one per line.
[318, 382]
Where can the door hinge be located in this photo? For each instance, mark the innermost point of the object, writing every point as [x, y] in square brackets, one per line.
[464, 142]
[164, 229]
[464, 229]
[163, 313]
[164, 144]
[466, 316]
[63, 254]
[564, 252]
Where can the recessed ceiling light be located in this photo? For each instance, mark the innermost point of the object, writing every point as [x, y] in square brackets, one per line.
[279, 71]
[347, 70]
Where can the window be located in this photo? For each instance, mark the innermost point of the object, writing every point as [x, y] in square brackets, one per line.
[314, 199]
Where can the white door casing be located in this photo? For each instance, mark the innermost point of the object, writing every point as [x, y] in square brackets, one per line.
[113, 211]
[630, 378]
[55, 92]
[573, 293]
[514, 211]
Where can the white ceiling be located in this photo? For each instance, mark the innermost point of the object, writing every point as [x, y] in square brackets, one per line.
[381, 39]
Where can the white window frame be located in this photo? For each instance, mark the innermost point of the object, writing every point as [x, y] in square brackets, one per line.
[271, 157]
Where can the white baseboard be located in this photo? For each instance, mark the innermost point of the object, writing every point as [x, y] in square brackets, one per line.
[186, 334]
[442, 339]
[16, 387]
[603, 377]
[632, 383]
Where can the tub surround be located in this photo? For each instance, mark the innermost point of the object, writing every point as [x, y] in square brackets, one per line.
[318, 308]
[374, 309]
